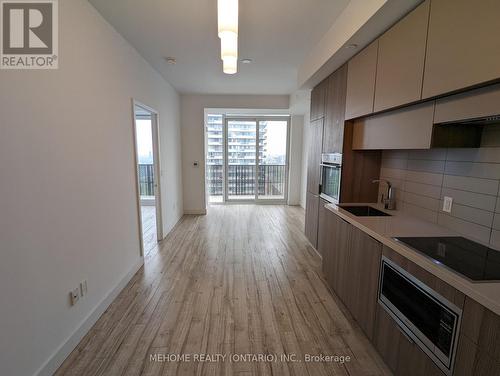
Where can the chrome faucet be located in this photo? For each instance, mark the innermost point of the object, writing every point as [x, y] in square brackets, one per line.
[389, 201]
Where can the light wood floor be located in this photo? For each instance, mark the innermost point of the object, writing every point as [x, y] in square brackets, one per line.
[149, 235]
[242, 279]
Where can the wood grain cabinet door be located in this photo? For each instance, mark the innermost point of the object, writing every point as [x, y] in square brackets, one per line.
[340, 250]
[412, 361]
[318, 98]
[400, 64]
[334, 241]
[333, 135]
[361, 74]
[478, 351]
[463, 48]
[311, 220]
[324, 229]
[314, 156]
[386, 336]
[399, 352]
[363, 273]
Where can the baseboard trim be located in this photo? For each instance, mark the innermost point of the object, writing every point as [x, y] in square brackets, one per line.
[58, 357]
[195, 212]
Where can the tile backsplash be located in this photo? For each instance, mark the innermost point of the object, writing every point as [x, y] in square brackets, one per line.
[470, 176]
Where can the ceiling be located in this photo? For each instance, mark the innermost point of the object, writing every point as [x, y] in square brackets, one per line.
[276, 34]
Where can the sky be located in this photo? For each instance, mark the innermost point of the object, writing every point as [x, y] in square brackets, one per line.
[144, 141]
[276, 137]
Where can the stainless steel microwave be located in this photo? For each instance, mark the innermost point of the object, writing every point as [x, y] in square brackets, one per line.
[426, 317]
[331, 170]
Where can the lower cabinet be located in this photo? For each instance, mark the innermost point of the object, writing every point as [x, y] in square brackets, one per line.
[323, 234]
[351, 262]
[478, 351]
[399, 352]
[311, 219]
[351, 265]
[335, 235]
[363, 265]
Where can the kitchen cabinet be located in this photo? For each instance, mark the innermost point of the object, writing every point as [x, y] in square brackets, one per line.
[399, 352]
[472, 104]
[324, 234]
[318, 99]
[406, 128]
[333, 135]
[471, 360]
[314, 156]
[313, 180]
[400, 63]
[462, 45]
[362, 273]
[336, 253]
[479, 344]
[361, 74]
[351, 262]
[311, 218]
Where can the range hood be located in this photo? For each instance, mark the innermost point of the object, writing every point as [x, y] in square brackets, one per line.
[488, 120]
[465, 133]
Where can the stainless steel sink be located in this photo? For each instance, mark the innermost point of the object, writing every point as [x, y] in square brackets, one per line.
[365, 211]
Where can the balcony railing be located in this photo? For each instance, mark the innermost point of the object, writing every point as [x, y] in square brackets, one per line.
[241, 180]
[146, 180]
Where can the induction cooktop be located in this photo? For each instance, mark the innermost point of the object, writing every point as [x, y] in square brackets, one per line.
[473, 260]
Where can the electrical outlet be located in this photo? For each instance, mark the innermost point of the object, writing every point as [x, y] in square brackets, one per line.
[83, 288]
[74, 296]
[447, 204]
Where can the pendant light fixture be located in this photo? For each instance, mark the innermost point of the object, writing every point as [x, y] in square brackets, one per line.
[227, 19]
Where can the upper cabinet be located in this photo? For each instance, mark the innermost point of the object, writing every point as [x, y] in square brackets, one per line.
[361, 75]
[472, 104]
[406, 128]
[333, 135]
[462, 46]
[401, 57]
[318, 99]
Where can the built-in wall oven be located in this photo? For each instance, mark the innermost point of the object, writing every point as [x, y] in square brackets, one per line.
[426, 317]
[331, 168]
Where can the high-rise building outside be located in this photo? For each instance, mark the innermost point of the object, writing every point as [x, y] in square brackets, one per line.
[241, 159]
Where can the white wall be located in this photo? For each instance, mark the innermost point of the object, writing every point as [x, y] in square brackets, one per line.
[300, 103]
[305, 147]
[360, 22]
[193, 137]
[295, 170]
[67, 193]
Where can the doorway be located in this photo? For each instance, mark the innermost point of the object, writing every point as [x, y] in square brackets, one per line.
[147, 163]
[247, 159]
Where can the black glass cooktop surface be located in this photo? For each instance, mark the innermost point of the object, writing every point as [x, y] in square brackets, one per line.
[473, 260]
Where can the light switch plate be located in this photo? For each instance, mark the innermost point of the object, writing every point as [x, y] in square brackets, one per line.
[83, 288]
[447, 204]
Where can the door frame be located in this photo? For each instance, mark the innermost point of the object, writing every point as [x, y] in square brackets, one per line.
[257, 119]
[155, 133]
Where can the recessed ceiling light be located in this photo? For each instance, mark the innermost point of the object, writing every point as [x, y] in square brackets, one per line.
[352, 46]
[246, 61]
[171, 60]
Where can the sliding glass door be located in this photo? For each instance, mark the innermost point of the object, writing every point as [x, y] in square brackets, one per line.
[247, 159]
[272, 159]
[241, 162]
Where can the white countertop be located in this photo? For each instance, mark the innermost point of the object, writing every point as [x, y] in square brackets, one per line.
[400, 224]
